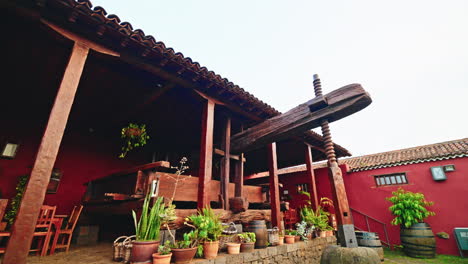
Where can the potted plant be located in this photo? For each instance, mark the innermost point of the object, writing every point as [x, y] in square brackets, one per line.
[318, 218]
[290, 236]
[184, 250]
[247, 241]
[281, 237]
[163, 256]
[410, 211]
[304, 231]
[209, 228]
[147, 228]
[134, 136]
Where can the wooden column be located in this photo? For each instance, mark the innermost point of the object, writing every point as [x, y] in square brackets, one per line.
[206, 154]
[23, 228]
[274, 186]
[239, 176]
[225, 162]
[311, 176]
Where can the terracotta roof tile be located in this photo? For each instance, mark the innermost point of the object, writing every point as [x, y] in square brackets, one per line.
[439, 151]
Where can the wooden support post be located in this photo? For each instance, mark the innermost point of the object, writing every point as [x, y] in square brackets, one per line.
[311, 176]
[23, 228]
[225, 162]
[206, 154]
[274, 186]
[239, 176]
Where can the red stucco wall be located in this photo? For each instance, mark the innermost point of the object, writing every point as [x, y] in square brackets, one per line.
[83, 156]
[449, 197]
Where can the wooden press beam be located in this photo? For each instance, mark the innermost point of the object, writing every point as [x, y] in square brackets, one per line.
[22, 233]
[206, 154]
[333, 106]
[225, 162]
[274, 186]
[311, 176]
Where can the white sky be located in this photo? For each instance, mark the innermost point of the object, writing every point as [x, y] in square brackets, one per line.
[411, 56]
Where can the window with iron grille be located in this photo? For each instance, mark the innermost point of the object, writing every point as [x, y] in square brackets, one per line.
[391, 179]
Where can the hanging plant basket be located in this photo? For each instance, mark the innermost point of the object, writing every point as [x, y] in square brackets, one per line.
[134, 136]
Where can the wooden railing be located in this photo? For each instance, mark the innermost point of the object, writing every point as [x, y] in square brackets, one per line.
[385, 242]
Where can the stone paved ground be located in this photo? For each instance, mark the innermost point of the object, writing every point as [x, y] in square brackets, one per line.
[102, 254]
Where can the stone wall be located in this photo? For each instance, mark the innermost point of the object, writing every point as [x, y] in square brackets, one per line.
[307, 252]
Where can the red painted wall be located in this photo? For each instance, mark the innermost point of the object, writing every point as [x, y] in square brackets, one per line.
[449, 197]
[83, 156]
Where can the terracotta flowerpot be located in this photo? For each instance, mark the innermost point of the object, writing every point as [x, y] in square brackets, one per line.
[297, 238]
[142, 251]
[210, 249]
[289, 239]
[309, 237]
[323, 234]
[247, 247]
[233, 248]
[329, 233]
[183, 255]
[281, 240]
[161, 259]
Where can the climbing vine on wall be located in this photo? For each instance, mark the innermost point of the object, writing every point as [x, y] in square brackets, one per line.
[16, 201]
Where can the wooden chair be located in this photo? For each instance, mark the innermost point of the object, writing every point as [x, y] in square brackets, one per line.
[66, 234]
[290, 218]
[41, 231]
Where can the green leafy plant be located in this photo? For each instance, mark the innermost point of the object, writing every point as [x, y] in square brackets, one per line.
[408, 208]
[16, 201]
[147, 228]
[190, 240]
[208, 224]
[247, 237]
[318, 218]
[290, 232]
[303, 230]
[165, 249]
[134, 136]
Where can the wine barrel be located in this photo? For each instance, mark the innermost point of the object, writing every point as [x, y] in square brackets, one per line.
[259, 228]
[370, 240]
[418, 241]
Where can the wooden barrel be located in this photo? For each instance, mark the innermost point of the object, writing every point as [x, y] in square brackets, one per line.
[418, 241]
[259, 228]
[370, 240]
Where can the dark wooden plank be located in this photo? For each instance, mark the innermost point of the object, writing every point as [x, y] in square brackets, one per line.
[3, 205]
[274, 186]
[23, 228]
[333, 106]
[343, 213]
[206, 153]
[149, 166]
[225, 162]
[311, 176]
[232, 156]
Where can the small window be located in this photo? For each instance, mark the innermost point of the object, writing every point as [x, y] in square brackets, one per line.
[391, 179]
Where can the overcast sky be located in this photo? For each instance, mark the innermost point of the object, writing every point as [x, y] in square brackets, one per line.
[411, 56]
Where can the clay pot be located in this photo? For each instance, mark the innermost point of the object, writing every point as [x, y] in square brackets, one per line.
[233, 248]
[142, 251]
[210, 249]
[309, 237]
[281, 240]
[247, 247]
[161, 259]
[297, 238]
[323, 234]
[289, 239]
[183, 255]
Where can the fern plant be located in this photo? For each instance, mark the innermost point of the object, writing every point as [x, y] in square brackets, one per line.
[409, 208]
[134, 136]
[208, 224]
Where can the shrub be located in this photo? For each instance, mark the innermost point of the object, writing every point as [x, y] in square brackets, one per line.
[408, 208]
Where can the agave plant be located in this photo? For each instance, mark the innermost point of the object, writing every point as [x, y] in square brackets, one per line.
[152, 217]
